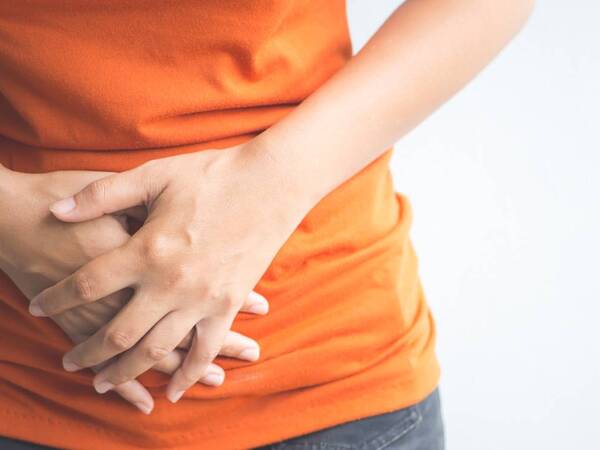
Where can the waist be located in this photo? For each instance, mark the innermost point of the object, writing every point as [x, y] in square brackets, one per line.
[347, 313]
[344, 293]
[351, 247]
[348, 334]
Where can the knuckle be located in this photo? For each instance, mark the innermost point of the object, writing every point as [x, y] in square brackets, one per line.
[118, 340]
[82, 286]
[117, 377]
[156, 353]
[229, 300]
[179, 275]
[157, 247]
[205, 355]
[228, 304]
[189, 375]
[97, 190]
[149, 175]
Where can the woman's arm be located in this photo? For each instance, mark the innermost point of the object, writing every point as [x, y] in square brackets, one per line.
[215, 221]
[423, 54]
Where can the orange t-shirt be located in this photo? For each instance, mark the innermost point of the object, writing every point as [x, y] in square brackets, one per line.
[108, 85]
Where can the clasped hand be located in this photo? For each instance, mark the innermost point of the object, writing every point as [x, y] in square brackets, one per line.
[45, 250]
[214, 224]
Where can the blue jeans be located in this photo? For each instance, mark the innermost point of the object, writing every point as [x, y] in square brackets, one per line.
[418, 427]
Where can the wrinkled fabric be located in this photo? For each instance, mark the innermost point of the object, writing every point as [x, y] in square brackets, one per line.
[109, 85]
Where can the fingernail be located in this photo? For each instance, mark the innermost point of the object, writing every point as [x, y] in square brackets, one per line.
[253, 295]
[214, 379]
[103, 387]
[70, 366]
[63, 206]
[36, 310]
[143, 407]
[250, 354]
[175, 396]
[259, 308]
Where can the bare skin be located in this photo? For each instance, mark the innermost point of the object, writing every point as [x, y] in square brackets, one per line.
[425, 52]
[46, 251]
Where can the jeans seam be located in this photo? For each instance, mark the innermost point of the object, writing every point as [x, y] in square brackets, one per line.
[382, 441]
[397, 431]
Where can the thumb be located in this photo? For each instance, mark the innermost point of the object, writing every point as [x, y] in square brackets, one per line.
[104, 196]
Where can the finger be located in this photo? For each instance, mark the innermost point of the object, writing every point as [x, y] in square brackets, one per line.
[104, 275]
[171, 363]
[133, 392]
[210, 335]
[151, 349]
[236, 345]
[255, 304]
[136, 318]
[104, 196]
[175, 359]
[137, 395]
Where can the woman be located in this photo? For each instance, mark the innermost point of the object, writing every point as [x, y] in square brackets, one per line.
[171, 167]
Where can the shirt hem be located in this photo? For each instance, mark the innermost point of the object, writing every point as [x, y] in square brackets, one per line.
[315, 415]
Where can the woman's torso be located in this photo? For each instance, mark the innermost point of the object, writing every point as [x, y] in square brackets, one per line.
[108, 85]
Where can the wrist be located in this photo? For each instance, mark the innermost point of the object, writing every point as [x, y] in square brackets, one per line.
[285, 185]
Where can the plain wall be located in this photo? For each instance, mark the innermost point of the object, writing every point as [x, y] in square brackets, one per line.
[504, 185]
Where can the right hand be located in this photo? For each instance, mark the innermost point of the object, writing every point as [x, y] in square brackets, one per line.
[45, 251]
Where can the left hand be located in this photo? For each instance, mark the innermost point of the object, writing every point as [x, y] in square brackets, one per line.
[216, 220]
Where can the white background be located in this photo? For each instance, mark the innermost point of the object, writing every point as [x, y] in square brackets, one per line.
[506, 194]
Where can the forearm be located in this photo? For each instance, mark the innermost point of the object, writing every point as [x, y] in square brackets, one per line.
[424, 53]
